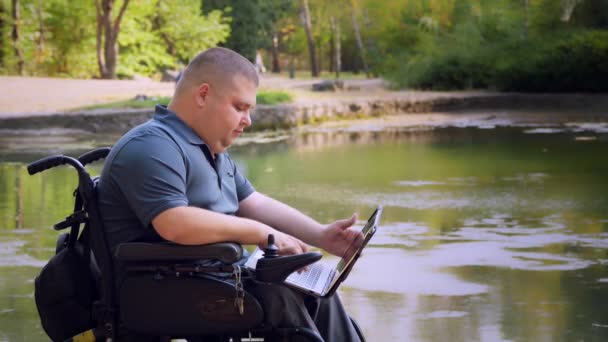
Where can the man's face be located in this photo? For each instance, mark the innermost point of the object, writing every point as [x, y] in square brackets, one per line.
[226, 112]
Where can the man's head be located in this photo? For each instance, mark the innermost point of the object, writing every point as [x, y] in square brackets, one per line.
[215, 96]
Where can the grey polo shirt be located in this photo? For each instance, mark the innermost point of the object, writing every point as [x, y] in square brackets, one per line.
[159, 165]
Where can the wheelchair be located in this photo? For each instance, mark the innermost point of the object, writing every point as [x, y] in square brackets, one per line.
[193, 300]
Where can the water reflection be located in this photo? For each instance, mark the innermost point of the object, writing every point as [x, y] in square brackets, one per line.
[487, 235]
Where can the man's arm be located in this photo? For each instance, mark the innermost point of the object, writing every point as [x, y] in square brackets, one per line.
[276, 214]
[335, 238]
[196, 226]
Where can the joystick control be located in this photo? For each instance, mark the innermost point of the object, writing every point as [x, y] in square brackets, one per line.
[273, 268]
[271, 250]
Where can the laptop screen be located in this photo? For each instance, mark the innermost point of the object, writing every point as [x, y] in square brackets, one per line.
[367, 231]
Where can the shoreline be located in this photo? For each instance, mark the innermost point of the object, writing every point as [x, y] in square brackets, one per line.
[592, 107]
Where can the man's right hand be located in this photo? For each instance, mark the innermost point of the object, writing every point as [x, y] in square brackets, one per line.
[287, 244]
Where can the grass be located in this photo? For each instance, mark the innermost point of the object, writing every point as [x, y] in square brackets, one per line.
[273, 97]
[266, 97]
[326, 75]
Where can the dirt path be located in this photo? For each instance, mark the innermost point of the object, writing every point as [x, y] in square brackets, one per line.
[45, 95]
[27, 95]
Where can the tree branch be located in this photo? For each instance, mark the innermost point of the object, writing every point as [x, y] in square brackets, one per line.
[116, 27]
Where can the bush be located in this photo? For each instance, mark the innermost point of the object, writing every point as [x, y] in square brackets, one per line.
[273, 97]
[575, 60]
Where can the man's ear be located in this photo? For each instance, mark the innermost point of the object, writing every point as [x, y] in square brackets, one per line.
[201, 94]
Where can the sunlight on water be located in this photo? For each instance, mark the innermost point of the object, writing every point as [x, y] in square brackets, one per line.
[10, 255]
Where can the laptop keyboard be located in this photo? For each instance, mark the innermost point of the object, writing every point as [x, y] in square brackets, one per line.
[308, 278]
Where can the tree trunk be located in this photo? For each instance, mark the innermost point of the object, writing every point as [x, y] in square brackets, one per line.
[276, 66]
[101, 63]
[41, 30]
[305, 16]
[109, 48]
[336, 58]
[370, 44]
[526, 19]
[332, 51]
[568, 7]
[2, 23]
[15, 36]
[107, 37]
[359, 40]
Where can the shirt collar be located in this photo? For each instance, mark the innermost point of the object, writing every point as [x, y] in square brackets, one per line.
[169, 118]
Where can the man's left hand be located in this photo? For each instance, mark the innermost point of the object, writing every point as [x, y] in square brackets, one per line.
[339, 239]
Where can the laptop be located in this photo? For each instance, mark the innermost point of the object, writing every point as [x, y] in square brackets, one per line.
[322, 279]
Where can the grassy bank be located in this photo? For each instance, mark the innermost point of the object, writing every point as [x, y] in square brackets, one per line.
[265, 97]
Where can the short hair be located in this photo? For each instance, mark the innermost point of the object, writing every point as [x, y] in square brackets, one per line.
[215, 64]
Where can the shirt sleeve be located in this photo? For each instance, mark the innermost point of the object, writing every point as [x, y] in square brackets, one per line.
[150, 172]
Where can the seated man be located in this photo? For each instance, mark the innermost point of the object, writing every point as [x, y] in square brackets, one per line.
[172, 179]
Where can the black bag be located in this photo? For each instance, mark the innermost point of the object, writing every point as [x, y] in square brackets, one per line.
[65, 290]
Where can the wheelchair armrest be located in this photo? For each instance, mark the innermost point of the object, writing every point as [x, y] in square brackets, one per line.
[226, 252]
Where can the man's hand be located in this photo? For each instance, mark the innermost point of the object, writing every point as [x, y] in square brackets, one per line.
[339, 239]
[288, 245]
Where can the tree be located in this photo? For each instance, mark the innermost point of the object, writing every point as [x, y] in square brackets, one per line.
[2, 23]
[164, 34]
[108, 29]
[70, 43]
[275, 27]
[358, 39]
[15, 36]
[248, 25]
[336, 51]
[305, 18]
[568, 7]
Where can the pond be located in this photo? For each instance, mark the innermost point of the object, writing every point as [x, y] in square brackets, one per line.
[488, 233]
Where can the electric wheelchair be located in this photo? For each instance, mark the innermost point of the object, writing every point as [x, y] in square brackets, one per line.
[151, 291]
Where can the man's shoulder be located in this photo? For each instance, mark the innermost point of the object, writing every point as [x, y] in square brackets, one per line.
[147, 139]
[150, 131]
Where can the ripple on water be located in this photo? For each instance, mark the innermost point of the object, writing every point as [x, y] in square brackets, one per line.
[9, 255]
[443, 314]
[484, 200]
[491, 246]
[397, 271]
[595, 127]
[418, 183]
[544, 130]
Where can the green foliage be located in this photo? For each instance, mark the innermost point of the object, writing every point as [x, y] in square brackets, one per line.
[573, 61]
[247, 25]
[158, 35]
[497, 45]
[71, 48]
[58, 37]
[273, 97]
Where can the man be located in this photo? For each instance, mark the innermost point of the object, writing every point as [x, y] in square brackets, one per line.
[171, 179]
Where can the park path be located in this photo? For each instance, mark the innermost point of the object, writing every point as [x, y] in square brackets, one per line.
[24, 96]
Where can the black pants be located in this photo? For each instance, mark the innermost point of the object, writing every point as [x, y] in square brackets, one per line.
[285, 307]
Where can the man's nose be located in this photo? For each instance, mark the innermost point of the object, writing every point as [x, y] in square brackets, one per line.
[247, 118]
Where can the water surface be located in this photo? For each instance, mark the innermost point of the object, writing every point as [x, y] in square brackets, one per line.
[494, 234]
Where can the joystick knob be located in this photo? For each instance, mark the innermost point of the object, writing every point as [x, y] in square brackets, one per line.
[271, 251]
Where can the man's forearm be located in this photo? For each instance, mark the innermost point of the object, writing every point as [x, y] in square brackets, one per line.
[282, 217]
[195, 226]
